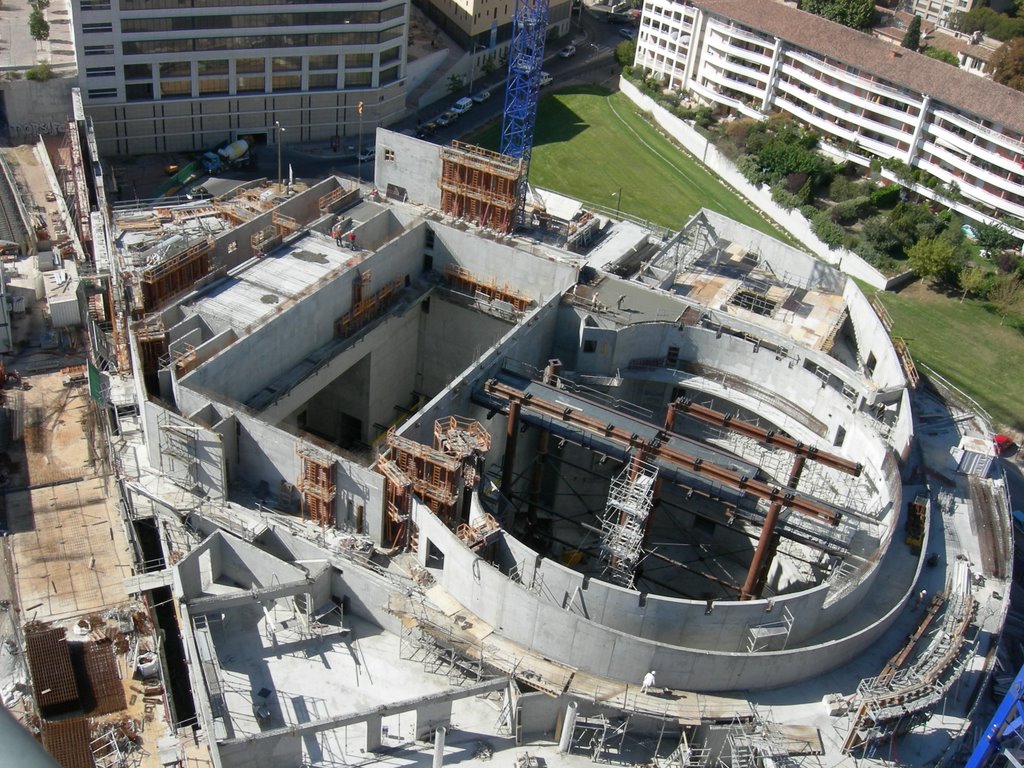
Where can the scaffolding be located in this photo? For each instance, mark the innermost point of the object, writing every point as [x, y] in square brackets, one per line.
[439, 649]
[465, 281]
[366, 307]
[316, 484]
[480, 186]
[625, 520]
[178, 446]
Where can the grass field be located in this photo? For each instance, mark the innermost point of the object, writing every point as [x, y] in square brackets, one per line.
[589, 144]
[966, 344]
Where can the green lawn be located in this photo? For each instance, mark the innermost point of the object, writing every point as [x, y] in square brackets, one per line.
[589, 144]
[966, 344]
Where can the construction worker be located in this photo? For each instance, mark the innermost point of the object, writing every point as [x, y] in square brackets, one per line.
[352, 239]
[648, 683]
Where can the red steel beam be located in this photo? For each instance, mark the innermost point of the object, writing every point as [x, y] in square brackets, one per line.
[658, 449]
[766, 436]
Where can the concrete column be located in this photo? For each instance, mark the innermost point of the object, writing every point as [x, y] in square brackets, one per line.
[439, 735]
[568, 726]
[373, 733]
[432, 715]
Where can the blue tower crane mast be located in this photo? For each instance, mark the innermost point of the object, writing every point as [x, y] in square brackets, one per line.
[525, 59]
[1004, 730]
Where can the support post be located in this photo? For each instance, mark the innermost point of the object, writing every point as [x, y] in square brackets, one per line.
[537, 478]
[373, 740]
[511, 438]
[568, 726]
[439, 736]
[766, 543]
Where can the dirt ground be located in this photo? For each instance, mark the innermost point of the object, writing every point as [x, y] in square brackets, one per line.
[67, 547]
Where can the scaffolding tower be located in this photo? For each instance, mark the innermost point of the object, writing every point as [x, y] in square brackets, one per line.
[316, 484]
[625, 520]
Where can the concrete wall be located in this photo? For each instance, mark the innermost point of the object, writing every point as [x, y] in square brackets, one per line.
[206, 467]
[415, 168]
[539, 621]
[791, 221]
[35, 108]
[244, 368]
[451, 338]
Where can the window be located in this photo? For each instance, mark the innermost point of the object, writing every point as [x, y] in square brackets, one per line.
[90, 29]
[170, 89]
[250, 84]
[589, 346]
[99, 50]
[176, 69]
[249, 65]
[213, 85]
[138, 72]
[287, 64]
[389, 155]
[388, 75]
[323, 62]
[213, 67]
[840, 436]
[358, 60]
[323, 81]
[139, 91]
[391, 54]
[100, 71]
[95, 5]
[287, 82]
[103, 93]
[358, 80]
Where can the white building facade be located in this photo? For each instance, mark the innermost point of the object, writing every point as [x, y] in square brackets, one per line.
[865, 98]
[170, 75]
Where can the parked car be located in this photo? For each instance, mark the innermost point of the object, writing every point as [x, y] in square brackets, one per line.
[366, 154]
[568, 52]
[546, 79]
[628, 33]
[481, 96]
[426, 130]
[447, 118]
[462, 106]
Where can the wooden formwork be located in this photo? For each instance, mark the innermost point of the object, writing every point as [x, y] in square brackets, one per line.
[365, 308]
[317, 487]
[174, 275]
[466, 281]
[480, 186]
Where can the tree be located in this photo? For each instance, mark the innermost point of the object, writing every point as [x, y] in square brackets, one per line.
[972, 279]
[857, 14]
[1007, 297]
[912, 39]
[941, 54]
[935, 257]
[38, 27]
[625, 52]
[1007, 66]
[993, 237]
[455, 83]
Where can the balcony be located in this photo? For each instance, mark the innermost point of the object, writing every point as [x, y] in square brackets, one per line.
[968, 191]
[722, 79]
[826, 126]
[727, 30]
[844, 95]
[722, 64]
[966, 145]
[720, 98]
[835, 111]
[858, 80]
[971, 171]
[1014, 145]
[725, 47]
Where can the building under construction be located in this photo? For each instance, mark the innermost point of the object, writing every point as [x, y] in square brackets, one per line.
[546, 466]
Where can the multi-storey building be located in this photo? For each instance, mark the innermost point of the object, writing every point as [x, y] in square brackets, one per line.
[939, 11]
[161, 75]
[484, 24]
[866, 98]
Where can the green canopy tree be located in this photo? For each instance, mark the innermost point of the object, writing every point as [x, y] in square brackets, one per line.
[38, 27]
[857, 14]
[1007, 65]
[912, 39]
[935, 257]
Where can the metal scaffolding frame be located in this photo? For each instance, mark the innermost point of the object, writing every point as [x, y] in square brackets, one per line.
[625, 520]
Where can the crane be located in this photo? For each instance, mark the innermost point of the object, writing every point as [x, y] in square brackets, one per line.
[1004, 730]
[525, 58]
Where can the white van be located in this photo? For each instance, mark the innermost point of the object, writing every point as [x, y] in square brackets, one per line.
[462, 106]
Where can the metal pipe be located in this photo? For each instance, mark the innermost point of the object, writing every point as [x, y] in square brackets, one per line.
[568, 726]
[439, 736]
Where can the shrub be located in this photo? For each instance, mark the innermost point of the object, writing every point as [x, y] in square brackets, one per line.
[785, 198]
[41, 72]
[1007, 261]
[808, 211]
[704, 116]
[885, 197]
[851, 210]
[830, 233]
[843, 188]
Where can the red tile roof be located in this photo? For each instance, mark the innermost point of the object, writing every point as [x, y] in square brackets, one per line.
[978, 96]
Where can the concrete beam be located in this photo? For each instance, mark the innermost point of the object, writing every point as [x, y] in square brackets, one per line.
[374, 714]
[248, 597]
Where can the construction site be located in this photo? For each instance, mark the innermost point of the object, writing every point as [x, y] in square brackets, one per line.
[407, 473]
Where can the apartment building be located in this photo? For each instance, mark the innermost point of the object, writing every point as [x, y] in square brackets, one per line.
[168, 75]
[865, 97]
[487, 24]
[939, 11]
